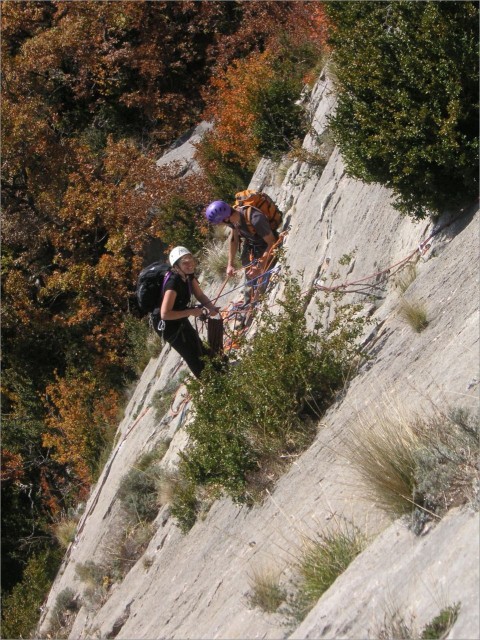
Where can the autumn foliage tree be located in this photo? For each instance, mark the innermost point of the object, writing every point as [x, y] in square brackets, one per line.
[253, 101]
[92, 93]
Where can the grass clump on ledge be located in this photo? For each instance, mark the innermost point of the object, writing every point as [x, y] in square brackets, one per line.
[323, 559]
[265, 590]
[250, 421]
[414, 314]
[138, 491]
[418, 465]
[439, 627]
[397, 626]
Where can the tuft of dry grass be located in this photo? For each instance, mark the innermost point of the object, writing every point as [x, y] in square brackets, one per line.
[128, 548]
[414, 313]
[414, 464]
[381, 445]
[266, 592]
[396, 626]
[406, 277]
[64, 531]
[214, 260]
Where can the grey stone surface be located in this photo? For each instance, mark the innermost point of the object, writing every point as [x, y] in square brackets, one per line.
[181, 154]
[196, 585]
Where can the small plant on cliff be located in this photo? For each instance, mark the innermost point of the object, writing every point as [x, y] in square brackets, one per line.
[138, 491]
[414, 313]
[63, 614]
[406, 277]
[97, 579]
[396, 626]
[184, 503]
[417, 465]
[265, 590]
[322, 560]
[439, 627]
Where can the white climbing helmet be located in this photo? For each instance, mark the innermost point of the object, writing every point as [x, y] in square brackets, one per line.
[177, 253]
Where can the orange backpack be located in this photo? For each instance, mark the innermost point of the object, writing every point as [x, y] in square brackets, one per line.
[258, 200]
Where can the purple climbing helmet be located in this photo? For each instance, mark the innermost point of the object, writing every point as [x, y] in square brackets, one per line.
[218, 211]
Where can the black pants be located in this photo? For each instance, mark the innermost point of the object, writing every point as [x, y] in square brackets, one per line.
[186, 342]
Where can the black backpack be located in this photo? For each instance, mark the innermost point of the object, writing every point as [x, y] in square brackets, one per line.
[150, 286]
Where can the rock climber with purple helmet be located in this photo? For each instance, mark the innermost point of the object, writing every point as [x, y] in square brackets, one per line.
[255, 247]
[171, 319]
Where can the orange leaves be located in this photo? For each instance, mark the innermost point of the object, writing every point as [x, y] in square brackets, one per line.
[18, 291]
[233, 91]
[82, 413]
[232, 107]
[12, 466]
[319, 24]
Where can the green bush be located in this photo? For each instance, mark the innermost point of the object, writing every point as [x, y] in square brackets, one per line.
[248, 422]
[279, 119]
[407, 112]
[225, 174]
[184, 505]
[143, 344]
[181, 223]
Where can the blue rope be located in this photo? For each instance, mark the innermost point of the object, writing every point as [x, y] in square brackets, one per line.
[249, 282]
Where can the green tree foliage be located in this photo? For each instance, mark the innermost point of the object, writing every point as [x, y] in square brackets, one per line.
[407, 114]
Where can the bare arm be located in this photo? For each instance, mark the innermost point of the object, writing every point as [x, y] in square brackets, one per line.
[262, 263]
[232, 252]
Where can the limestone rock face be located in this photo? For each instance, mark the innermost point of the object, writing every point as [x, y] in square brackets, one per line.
[196, 585]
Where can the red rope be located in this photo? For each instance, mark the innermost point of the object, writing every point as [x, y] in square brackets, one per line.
[421, 248]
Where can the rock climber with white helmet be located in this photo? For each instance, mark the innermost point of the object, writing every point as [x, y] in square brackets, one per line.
[256, 246]
[171, 319]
